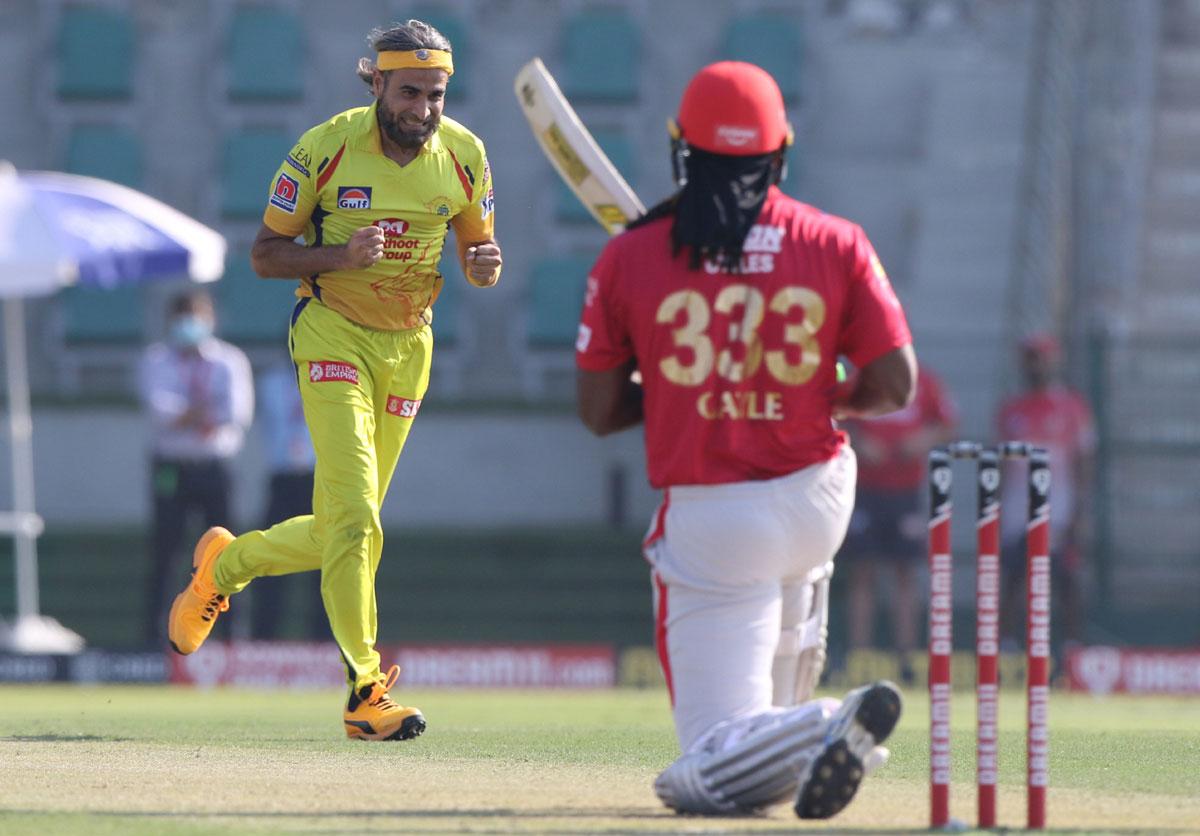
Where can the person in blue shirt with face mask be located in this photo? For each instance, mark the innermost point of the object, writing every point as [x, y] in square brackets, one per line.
[198, 392]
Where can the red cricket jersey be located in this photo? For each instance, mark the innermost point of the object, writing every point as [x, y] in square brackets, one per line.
[902, 468]
[739, 369]
[1059, 419]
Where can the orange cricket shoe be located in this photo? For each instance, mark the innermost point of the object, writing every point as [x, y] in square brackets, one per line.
[372, 715]
[196, 609]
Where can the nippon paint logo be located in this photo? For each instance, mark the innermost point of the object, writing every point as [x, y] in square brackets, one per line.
[354, 197]
[327, 371]
[285, 193]
[403, 407]
[736, 136]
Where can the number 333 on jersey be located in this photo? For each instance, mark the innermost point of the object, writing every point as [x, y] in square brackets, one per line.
[740, 366]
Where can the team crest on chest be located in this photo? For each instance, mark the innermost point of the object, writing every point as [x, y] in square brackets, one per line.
[439, 206]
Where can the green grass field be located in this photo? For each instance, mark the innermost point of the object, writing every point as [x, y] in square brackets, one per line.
[150, 760]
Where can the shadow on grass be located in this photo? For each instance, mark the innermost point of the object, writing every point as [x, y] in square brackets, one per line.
[63, 738]
[583, 821]
[669, 823]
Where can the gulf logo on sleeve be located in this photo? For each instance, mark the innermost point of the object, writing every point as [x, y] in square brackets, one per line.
[284, 195]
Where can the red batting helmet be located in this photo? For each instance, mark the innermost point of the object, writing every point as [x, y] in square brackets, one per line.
[735, 108]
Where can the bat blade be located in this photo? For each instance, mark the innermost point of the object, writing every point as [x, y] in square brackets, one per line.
[573, 152]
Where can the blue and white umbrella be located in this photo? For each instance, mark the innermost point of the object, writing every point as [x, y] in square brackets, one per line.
[58, 230]
[62, 229]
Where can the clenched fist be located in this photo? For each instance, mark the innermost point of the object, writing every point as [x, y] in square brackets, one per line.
[364, 248]
[483, 264]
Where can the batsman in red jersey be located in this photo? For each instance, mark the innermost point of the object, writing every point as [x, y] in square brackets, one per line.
[734, 302]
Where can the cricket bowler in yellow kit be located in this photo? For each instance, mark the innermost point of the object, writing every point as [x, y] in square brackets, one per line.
[374, 192]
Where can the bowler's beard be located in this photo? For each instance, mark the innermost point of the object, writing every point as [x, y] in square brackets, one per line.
[392, 124]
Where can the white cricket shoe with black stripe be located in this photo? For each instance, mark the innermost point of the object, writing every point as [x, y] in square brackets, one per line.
[814, 755]
[865, 719]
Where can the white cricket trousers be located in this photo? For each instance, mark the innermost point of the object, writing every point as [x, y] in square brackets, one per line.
[730, 566]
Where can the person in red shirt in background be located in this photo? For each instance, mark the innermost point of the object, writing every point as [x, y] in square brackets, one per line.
[888, 528]
[734, 302]
[1050, 414]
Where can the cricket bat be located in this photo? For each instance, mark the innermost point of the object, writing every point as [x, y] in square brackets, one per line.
[573, 151]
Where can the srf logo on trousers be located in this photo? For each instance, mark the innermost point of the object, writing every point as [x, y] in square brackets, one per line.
[402, 407]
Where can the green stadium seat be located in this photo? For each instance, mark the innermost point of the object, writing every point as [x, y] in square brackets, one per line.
[251, 159]
[602, 56]
[460, 40]
[251, 309]
[619, 149]
[772, 41]
[96, 48]
[93, 315]
[556, 298]
[110, 152]
[266, 54]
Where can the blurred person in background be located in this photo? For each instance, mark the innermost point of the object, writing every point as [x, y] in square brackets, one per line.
[1052, 415]
[733, 302]
[290, 462]
[888, 527]
[374, 191]
[199, 394]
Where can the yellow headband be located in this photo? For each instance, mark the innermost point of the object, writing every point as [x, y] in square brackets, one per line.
[416, 59]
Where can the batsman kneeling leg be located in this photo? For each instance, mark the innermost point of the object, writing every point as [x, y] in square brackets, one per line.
[800, 655]
[816, 753]
[744, 766]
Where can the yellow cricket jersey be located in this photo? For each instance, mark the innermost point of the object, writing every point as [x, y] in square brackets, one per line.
[337, 180]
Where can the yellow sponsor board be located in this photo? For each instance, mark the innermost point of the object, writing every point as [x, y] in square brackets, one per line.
[639, 667]
[868, 665]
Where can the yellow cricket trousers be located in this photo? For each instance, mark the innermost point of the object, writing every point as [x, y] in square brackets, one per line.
[361, 389]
